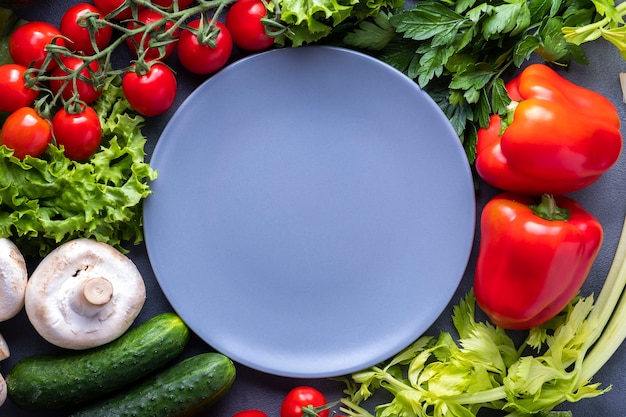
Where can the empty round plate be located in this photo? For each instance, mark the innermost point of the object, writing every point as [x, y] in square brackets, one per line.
[313, 212]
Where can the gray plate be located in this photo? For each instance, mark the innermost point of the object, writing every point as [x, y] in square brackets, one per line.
[314, 211]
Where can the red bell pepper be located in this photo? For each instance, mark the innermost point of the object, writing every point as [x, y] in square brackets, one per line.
[561, 138]
[533, 258]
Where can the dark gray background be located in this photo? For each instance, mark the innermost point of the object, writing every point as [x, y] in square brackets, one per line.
[253, 389]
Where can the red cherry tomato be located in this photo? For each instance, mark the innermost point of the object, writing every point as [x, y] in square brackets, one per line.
[301, 397]
[243, 20]
[26, 133]
[108, 6]
[13, 90]
[167, 4]
[202, 58]
[79, 134]
[27, 43]
[143, 39]
[152, 93]
[86, 91]
[250, 413]
[72, 27]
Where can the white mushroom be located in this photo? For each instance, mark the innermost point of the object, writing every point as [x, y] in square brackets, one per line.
[4, 354]
[4, 349]
[3, 390]
[13, 278]
[84, 294]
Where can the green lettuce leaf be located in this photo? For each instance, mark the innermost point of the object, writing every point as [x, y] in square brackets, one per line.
[49, 200]
[309, 21]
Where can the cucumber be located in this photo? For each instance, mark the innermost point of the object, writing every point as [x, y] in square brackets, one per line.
[68, 379]
[181, 390]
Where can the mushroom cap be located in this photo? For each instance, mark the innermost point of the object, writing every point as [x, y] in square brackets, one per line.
[13, 279]
[84, 294]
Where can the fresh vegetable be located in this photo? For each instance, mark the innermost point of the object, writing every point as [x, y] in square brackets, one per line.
[300, 22]
[24, 134]
[45, 202]
[68, 379]
[301, 398]
[558, 138]
[84, 294]
[28, 41]
[250, 413]
[485, 368]
[76, 28]
[150, 91]
[107, 7]
[13, 278]
[204, 52]
[609, 26]
[156, 42]
[244, 20]
[82, 86]
[461, 52]
[180, 390]
[79, 133]
[13, 90]
[533, 257]
[170, 4]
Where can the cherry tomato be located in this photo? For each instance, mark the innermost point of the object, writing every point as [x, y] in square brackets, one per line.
[250, 413]
[152, 93]
[107, 6]
[301, 397]
[146, 17]
[86, 91]
[243, 20]
[27, 43]
[167, 4]
[26, 133]
[201, 58]
[72, 27]
[79, 133]
[13, 90]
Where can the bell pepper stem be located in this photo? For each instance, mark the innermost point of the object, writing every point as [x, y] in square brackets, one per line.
[549, 210]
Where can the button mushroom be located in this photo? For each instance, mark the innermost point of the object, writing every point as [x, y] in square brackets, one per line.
[4, 354]
[13, 278]
[84, 294]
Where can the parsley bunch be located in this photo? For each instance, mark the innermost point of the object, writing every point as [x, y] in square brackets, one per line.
[461, 51]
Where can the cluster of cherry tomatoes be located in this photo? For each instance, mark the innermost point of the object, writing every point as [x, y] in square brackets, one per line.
[302, 401]
[71, 79]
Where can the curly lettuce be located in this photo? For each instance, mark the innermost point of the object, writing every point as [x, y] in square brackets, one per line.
[308, 21]
[49, 200]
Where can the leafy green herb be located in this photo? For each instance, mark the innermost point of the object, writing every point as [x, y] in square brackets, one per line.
[610, 27]
[309, 21]
[461, 51]
[46, 201]
[440, 377]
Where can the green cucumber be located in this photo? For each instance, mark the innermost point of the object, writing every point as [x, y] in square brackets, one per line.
[68, 379]
[182, 390]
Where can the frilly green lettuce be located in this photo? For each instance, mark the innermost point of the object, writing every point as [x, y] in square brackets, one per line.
[48, 200]
[308, 21]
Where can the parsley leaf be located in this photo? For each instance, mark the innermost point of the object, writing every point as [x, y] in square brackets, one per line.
[471, 48]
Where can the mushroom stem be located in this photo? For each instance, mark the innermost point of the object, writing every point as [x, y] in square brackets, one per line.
[89, 297]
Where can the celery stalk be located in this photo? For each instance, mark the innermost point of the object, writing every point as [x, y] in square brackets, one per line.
[610, 310]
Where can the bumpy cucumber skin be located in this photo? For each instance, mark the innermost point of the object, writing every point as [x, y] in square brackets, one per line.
[63, 380]
[182, 390]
